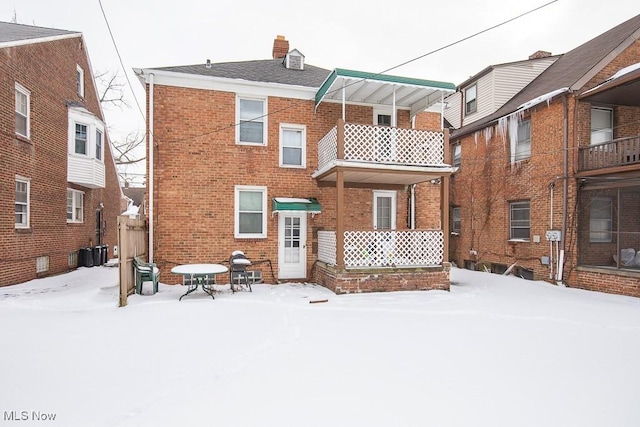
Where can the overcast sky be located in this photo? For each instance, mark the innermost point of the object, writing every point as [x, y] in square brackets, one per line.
[362, 35]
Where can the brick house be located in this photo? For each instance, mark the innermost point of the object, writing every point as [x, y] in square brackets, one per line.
[549, 179]
[59, 181]
[332, 176]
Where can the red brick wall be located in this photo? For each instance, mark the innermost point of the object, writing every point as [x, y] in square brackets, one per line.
[487, 182]
[354, 281]
[198, 163]
[604, 281]
[48, 71]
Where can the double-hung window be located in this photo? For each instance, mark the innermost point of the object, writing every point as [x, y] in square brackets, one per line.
[250, 212]
[456, 151]
[22, 202]
[81, 139]
[292, 146]
[601, 125]
[252, 121]
[80, 80]
[523, 143]
[456, 220]
[470, 99]
[22, 111]
[75, 202]
[520, 220]
[601, 220]
[99, 144]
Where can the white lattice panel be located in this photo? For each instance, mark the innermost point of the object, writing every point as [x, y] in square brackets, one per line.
[328, 148]
[393, 145]
[327, 247]
[390, 248]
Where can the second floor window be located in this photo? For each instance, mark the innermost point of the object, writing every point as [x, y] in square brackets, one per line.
[470, 100]
[251, 121]
[81, 139]
[292, 146]
[523, 143]
[22, 111]
[98, 144]
[601, 125]
[456, 154]
[520, 220]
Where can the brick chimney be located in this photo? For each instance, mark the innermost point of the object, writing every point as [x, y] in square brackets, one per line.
[540, 54]
[280, 47]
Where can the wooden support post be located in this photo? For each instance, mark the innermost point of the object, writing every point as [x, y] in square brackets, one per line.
[340, 136]
[444, 198]
[340, 219]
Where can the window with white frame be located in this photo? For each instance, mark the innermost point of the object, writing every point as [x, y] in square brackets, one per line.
[80, 80]
[75, 203]
[601, 125]
[456, 154]
[456, 220]
[81, 139]
[252, 121]
[22, 202]
[250, 212]
[520, 220]
[470, 99]
[601, 220]
[523, 143]
[99, 145]
[293, 142]
[23, 99]
[86, 134]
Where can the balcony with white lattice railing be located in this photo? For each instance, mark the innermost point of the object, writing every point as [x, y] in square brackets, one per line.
[382, 154]
[383, 248]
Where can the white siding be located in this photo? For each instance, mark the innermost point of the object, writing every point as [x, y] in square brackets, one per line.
[511, 79]
[85, 171]
[484, 96]
[453, 109]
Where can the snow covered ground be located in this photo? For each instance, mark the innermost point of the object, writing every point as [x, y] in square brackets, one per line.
[495, 351]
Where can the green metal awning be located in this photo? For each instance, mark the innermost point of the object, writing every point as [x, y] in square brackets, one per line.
[291, 204]
[377, 89]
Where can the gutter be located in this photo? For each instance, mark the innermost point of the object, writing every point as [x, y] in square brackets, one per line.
[150, 186]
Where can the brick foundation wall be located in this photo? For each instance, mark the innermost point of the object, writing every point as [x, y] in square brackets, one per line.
[621, 283]
[48, 71]
[382, 280]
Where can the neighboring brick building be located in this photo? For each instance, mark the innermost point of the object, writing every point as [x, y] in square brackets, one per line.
[561, 155]
[58, 179]
[305, 167]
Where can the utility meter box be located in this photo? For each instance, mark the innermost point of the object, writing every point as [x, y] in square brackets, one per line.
[554, 235]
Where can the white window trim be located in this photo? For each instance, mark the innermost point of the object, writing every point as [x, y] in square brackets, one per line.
[293, 127]
[75, 220]
[466, 100]
[519, 239]
[603, 134]
[265, 120]
[456, 145]
[28, 182]
[521, 154]
[93, 124]
[95, 142]
[27, 93]
[81, 88]
[394, 210]
[236, 212]
[453, 221]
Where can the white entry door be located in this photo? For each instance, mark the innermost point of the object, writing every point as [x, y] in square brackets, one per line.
[292, 245]
[384, 219]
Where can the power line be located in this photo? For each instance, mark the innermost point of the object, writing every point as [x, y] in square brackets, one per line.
[298, 103]
[120, 58]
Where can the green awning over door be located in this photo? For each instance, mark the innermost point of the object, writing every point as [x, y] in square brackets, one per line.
[290, 204]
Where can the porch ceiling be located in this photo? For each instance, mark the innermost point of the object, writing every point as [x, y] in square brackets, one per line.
[370, 174]
[377, 89]
[623, 90]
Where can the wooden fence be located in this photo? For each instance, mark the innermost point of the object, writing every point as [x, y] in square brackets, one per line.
[132, 241]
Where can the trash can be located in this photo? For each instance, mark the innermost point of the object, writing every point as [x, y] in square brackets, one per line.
[97, 255]
[105, 254]
[88, 257]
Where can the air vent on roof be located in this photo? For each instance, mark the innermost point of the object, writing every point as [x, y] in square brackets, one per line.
[294, 60]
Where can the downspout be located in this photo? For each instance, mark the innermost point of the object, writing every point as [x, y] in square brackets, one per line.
[551, 188]
[565, 192]
[442, 112]
[393, 113]
[413, 206]
[150, 185]
[344, 101]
